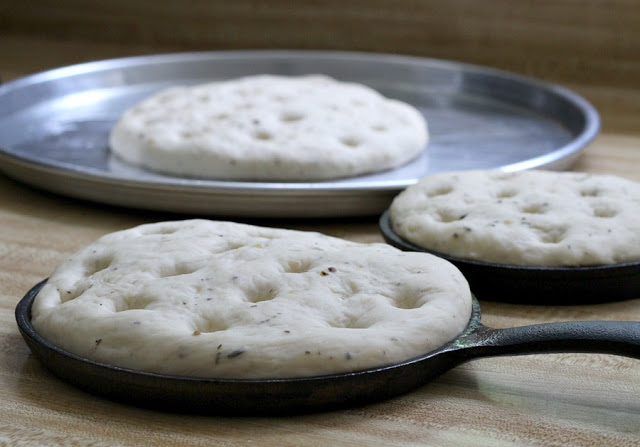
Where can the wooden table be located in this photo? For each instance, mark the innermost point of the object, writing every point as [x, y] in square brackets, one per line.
[568, 399]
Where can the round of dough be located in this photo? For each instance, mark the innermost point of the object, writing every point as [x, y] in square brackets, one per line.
[270, 128]
[225, 300]
[541, 218]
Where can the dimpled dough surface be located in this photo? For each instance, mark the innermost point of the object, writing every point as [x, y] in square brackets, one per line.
[219, 299]
[533, 217]
[269, 127]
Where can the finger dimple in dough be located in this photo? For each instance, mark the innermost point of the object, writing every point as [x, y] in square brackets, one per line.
[535, 208]
[439, 190]
[132, 302]
[533, 217]
[550, 234]
[268, 127]
[604, 210]
[97, 264]
[298, 265]
[263, 291]
[219, 299]
[506, 193]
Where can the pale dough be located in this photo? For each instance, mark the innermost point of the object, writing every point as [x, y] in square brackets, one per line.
[270, 128]
[225, 300]
[532, 217]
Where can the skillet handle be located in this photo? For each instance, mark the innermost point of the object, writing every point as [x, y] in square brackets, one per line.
[604, 337]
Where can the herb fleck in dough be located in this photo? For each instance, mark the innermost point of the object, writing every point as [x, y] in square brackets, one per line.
[219, 299]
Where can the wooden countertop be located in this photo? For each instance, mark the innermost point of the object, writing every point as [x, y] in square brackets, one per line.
[559, 399]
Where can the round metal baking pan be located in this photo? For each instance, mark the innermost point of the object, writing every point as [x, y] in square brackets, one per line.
[536, 284]
[295, 395]
[54, 129]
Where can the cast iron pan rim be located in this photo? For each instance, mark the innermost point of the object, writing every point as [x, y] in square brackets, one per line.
[23, 319]
[394, 239]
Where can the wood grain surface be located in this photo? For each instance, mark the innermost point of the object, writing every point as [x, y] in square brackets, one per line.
[542, 400]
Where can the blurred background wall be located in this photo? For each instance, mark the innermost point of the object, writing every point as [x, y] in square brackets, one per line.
[588, 43]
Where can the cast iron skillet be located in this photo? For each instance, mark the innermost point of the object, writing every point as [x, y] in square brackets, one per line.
[536, 285]
[296, 395]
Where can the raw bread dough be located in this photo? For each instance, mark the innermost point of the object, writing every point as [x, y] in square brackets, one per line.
[270, 128]
[219, 299]
[536, 217]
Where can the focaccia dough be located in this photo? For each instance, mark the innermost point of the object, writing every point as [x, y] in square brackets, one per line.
[270, 128]
[536, 217]
[225, 300]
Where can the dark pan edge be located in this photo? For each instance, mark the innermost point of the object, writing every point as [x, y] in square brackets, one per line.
[232, 397]
[536, 285]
